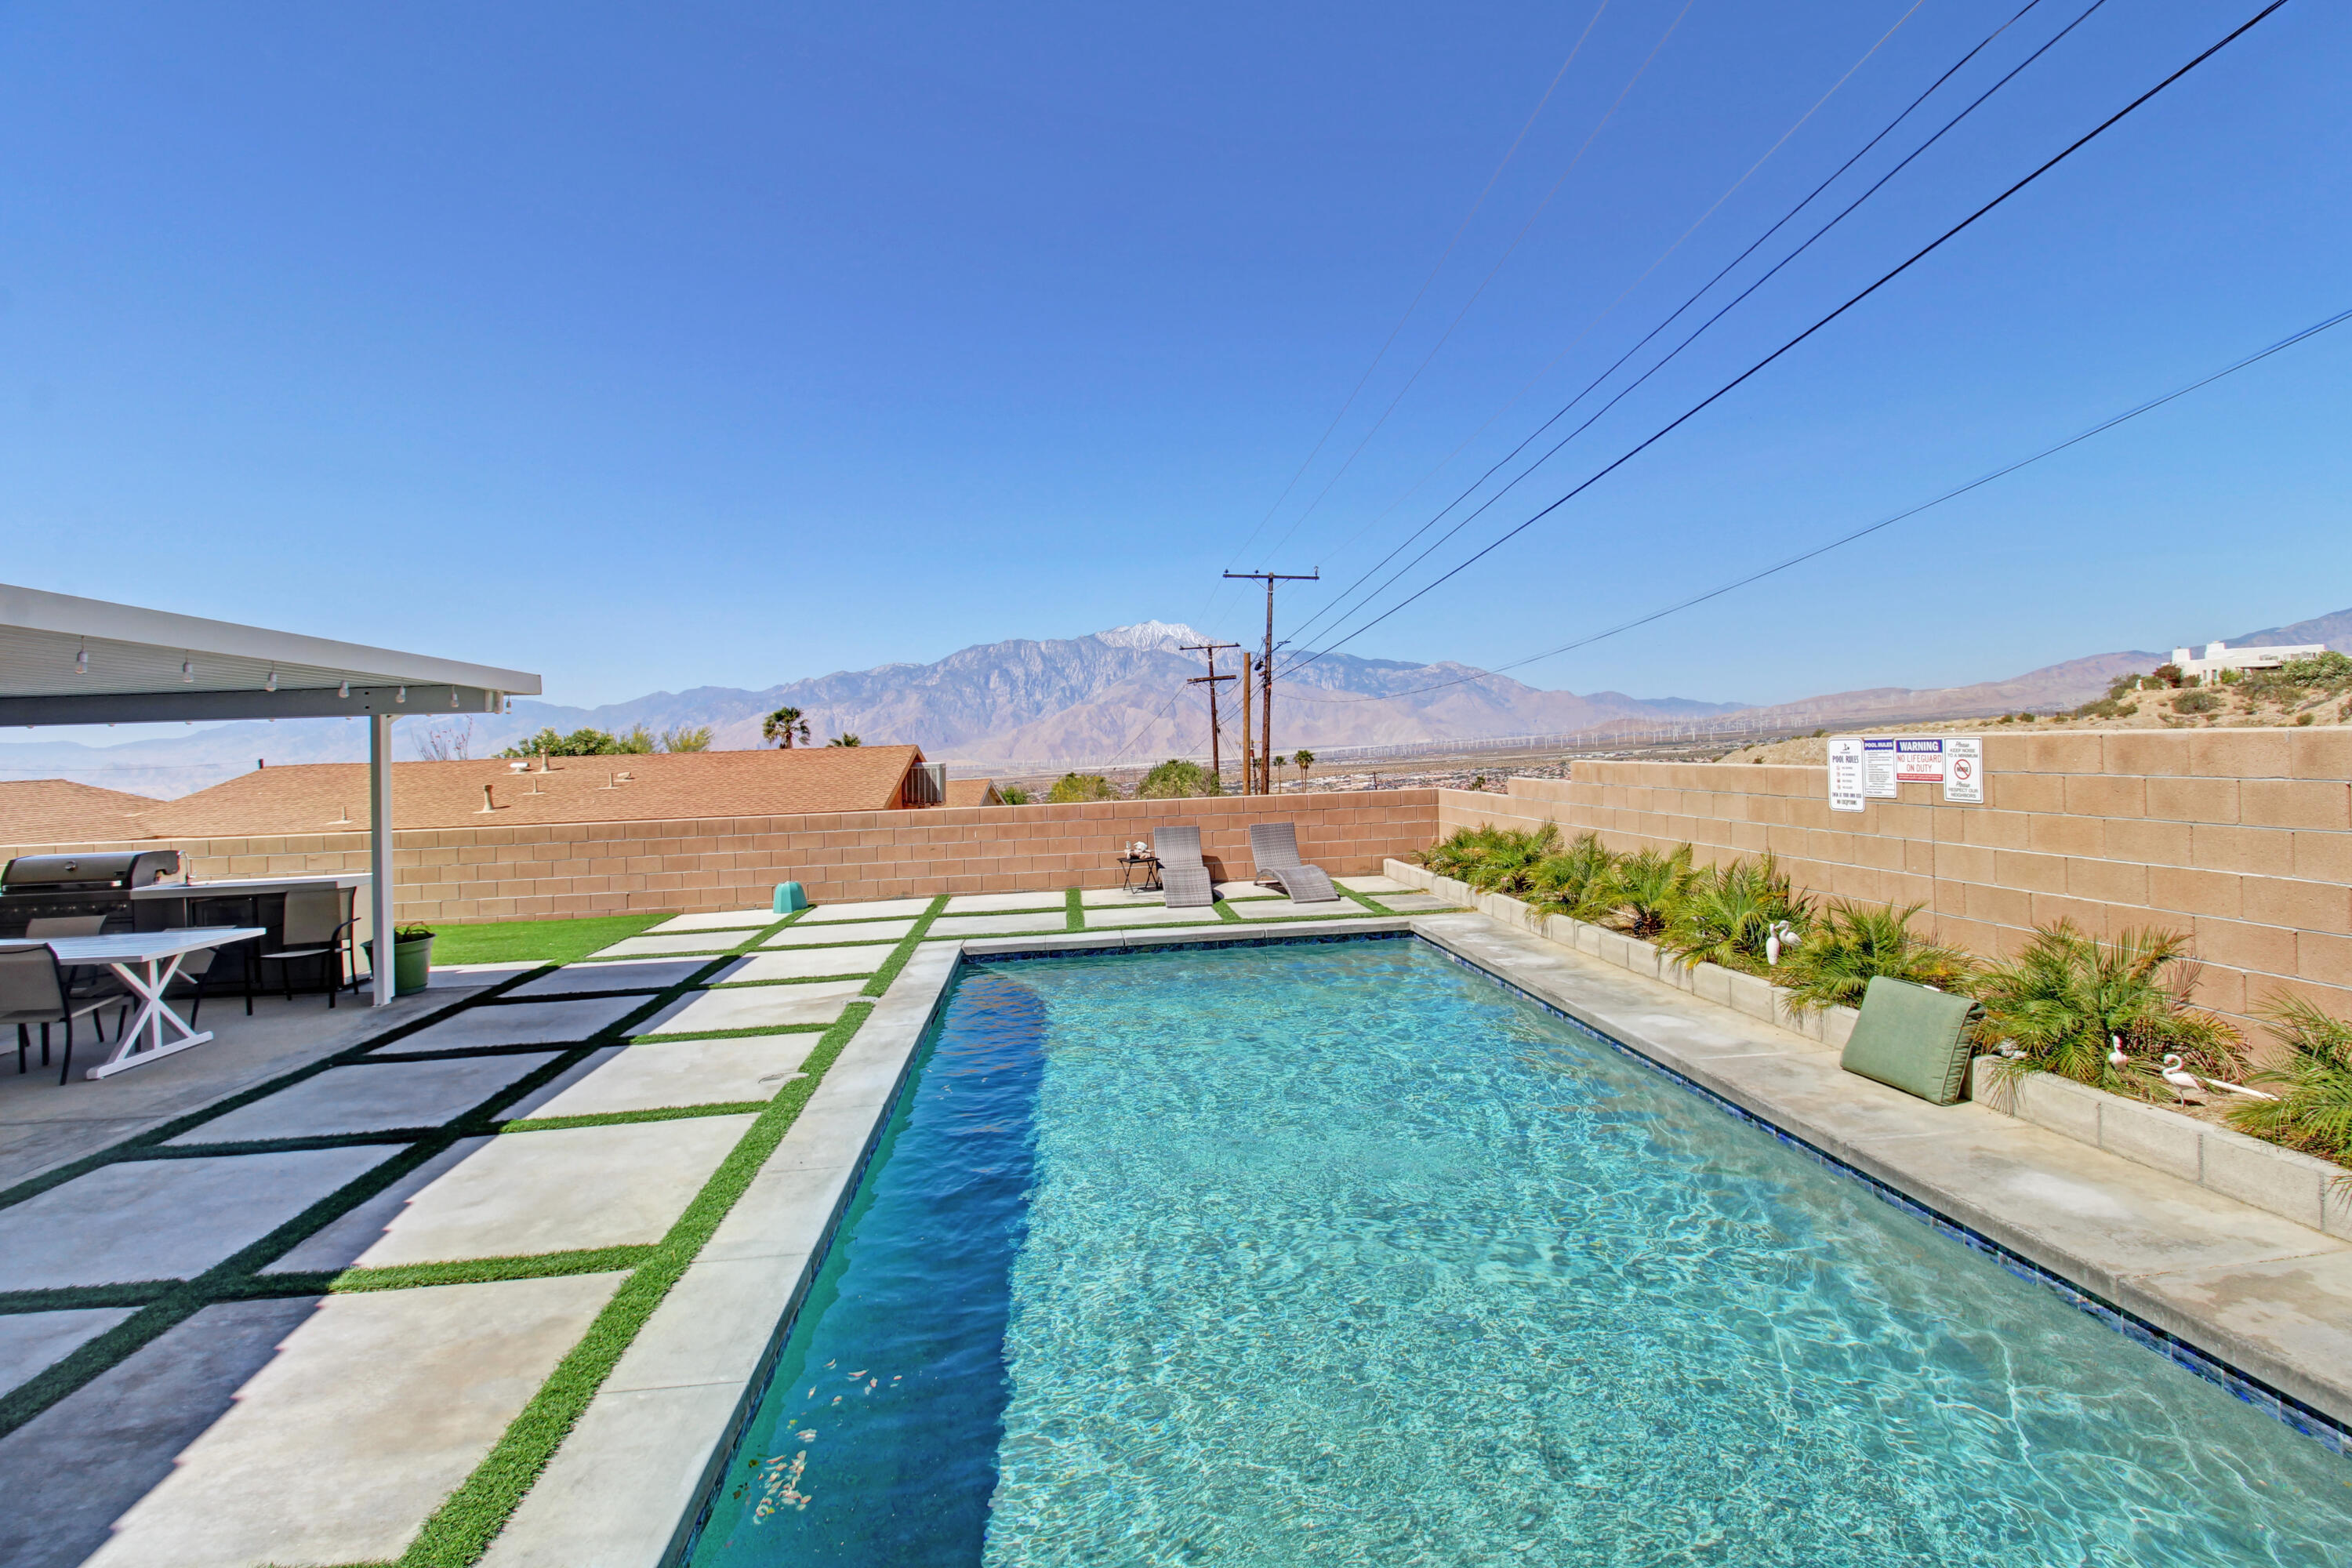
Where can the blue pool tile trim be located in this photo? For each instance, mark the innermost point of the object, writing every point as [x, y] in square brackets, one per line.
[2319, 1426]
[1211, 944]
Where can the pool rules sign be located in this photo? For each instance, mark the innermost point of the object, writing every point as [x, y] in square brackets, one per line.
[1846, 789]
[1865, 766]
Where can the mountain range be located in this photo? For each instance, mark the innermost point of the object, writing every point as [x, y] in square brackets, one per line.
[1116, 695]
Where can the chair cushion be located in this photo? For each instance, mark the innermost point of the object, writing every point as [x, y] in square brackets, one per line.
[1914, 1038]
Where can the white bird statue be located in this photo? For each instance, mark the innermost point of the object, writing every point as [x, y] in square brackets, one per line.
[2115, 1056]
[2183, 1083]
[1778, 940]
[2008, 1051]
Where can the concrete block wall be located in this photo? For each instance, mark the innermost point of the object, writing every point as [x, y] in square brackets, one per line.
[2242, 839]
[720, 863]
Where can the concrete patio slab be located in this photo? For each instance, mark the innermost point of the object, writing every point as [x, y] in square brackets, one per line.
[612, 1495]
[684, 1072]
[1112, 898]
[342, 1243]
[1373, 885]
[1287, 909]
[805, 963]
[1157, 914]
[521, 1024]
[753, 1007]
[875, 909]
[148, 1219]
[528, 1193]
[647, 975]
[997, 925]
[370, 1099]
[1232, 891]
[1416, 903]
[33, 1341]
[673, 943]
[998, 903]
[868, 932]
[286, 1475]
[117, 1437]
[723, 920]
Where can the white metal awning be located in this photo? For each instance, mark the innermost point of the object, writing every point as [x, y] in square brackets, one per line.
[65, 660]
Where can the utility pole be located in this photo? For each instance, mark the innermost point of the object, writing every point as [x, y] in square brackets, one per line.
[1249, 773]
[1216, 767]
[1266, 669]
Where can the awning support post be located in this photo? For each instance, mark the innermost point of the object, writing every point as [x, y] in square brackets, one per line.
[380, 851]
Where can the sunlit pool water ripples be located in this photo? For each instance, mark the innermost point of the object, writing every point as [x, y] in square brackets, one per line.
[1340, 1253]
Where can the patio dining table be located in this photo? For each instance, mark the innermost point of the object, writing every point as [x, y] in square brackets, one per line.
[146, 961]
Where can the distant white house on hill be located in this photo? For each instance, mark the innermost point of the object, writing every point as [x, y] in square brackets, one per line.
[2219, 656]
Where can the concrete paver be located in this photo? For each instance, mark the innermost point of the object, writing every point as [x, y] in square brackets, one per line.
[803, 935]
[30, 1342]
[85, 1461]
[527, 1193]
[671, 943]
[1112, 898]
[804, 963]
[520, 1024]
[1235, 891]
[753, 1007]
[997, 925]
[286, 1475]
[369, 1099]
[1416, 903]
[722, 920]
[998, 903]
[1287, 909]
[149, 1219]
[1373, 885]
[874, 910]
[342, 1243]
[649, 974]
[1156, 915]
[684, 1072]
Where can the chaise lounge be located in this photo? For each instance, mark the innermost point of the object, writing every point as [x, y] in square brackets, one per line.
[1275, 847]
[1181, 873]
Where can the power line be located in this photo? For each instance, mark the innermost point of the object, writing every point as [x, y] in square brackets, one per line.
[1785, 219]
[1884, 279]
[2104, 426]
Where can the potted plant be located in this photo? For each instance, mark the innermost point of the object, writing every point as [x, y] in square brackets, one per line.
[412, 958]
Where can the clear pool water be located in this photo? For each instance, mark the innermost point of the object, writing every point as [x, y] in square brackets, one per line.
[1342, 1254]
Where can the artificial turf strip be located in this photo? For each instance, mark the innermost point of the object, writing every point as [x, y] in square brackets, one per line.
[547, 941]
[905, 949]
[627, 1118]
[481, 1271]
[1074, 911]
[462, 1529]
[1225, 907]
[65, 1297]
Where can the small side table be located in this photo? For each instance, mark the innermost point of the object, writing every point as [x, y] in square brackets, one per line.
[1130, 864]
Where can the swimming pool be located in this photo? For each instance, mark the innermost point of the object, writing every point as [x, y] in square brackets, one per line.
[1341, 1252]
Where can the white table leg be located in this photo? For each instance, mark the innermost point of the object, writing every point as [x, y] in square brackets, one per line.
[153, 1013]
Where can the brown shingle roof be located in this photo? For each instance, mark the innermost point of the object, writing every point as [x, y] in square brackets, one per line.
[58, 811]
[972, 792]
[318, 796]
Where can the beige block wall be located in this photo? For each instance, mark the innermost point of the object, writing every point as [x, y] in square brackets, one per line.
[2240, 838]
[720, 863]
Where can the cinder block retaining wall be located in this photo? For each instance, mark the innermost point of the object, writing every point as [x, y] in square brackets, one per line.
[2240, 838]
[720, 863]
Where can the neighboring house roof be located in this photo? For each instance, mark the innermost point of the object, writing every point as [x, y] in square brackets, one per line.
[330, 796]
[58, 811]
[972, 792]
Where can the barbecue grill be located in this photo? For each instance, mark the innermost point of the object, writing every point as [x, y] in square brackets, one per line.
[34, 886]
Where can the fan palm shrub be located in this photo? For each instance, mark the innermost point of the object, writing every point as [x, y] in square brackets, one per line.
[1646, 891]
[1494, 859]
[2313, 1111]
[1847, 945]
[1566, 883]
[1731, 912]
[2069, 998]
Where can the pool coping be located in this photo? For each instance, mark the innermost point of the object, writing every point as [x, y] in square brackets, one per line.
[656, 1472]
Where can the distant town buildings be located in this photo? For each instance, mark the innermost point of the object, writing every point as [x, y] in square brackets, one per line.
[2219, 656]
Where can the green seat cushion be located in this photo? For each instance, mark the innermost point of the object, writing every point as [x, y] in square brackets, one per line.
[1913, 1037]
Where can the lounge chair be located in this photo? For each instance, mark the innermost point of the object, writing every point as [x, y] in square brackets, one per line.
[1275, 847]
[1181, 874]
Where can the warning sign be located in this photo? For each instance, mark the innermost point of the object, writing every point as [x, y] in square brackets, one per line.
[1964, 769]
[1845, 774]
[1878, 766]
[1919, 758]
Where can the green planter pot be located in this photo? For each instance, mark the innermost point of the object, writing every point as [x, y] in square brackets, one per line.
[412, 964]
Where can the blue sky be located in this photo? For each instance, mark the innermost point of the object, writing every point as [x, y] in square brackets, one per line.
[663, 346]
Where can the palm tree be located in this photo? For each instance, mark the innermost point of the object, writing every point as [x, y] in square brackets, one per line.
[847, 740]
[1305, 759]
[783, 726]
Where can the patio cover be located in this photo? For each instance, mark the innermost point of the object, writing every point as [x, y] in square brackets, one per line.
[65, 660]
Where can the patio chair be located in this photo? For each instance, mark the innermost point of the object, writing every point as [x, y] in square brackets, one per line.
[81, 980]
[1182, 872]
[33, 990]
[311, 932]
[1275, 847]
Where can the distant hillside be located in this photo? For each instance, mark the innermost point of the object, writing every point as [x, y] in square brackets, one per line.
[2056, 686]
[2335, 630]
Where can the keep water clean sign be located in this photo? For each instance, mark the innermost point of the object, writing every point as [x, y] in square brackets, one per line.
[1867, 767]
